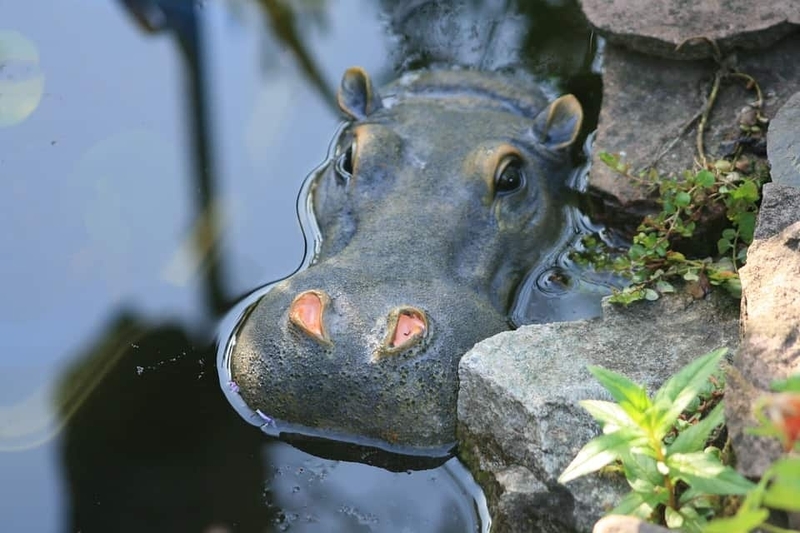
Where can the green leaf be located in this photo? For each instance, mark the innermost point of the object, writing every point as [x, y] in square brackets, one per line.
[734, 287]
[673, 518]
[682, 199]
[637, 251]
[630, 396]
[723, 245]
[638, 504]
[651, 295]
[705, 473]
[783, 494]
[698, 499]
[783, 490]
[705, 179]
[691, 275]
[664, 287]
[641, 471]
[675, 256]
[741, 256]
[673, 397]
[610, 415]
[746, 223]
[608, 159]
[693, 439]
[790, 384]
[596, 454]
[744, 521]
[747, 191]
[692, 521]
[788, 467]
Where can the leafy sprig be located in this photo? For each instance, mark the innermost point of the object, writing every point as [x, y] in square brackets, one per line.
[651, 263]
[662, 445]
[676, 483]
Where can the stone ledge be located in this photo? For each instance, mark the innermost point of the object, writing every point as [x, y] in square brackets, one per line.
[658, 27]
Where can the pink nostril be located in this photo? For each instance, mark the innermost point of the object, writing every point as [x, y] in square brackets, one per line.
[406, 327]
[410, 325]
[306, 312]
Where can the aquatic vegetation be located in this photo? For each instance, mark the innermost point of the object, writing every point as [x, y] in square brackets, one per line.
[726, 190]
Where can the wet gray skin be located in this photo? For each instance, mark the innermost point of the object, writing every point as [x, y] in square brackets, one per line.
[442, 194]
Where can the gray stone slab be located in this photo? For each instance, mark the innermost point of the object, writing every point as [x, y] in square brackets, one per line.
[657, 27]
[783, 143]
[519, 393]
[647, 102]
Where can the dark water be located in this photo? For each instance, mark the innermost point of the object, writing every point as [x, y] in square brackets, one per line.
[150, 156]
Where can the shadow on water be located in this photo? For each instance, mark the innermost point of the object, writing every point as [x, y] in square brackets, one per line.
[149, 441]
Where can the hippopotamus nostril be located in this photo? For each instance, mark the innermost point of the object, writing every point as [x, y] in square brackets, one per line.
[407, 326]
[307, 313]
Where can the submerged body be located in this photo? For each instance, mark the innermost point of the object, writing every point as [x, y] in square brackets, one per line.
[441, 195]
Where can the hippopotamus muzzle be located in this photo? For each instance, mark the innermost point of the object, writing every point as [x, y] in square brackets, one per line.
[438, 197]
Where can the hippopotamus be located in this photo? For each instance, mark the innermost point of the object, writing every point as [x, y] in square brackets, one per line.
[440, 193]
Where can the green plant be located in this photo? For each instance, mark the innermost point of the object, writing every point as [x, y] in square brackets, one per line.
[651, 264]
[778, 415]
[674, 477]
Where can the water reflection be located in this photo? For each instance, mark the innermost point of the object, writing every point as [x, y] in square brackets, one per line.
[151, 446]
[153, 183]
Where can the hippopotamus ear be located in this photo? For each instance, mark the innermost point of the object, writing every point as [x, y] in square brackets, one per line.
[557, 126]
[356, 96]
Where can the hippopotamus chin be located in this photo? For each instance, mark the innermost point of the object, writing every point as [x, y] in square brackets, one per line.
[440, 195]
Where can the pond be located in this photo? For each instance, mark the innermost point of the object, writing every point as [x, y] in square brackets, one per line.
[152, 153]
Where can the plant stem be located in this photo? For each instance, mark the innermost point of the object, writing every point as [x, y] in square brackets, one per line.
[701, 126]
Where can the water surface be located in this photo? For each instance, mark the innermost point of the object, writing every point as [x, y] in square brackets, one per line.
[150, 157]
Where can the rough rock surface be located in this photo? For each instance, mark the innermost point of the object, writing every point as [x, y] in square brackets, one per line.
[519, 421]
[783, 143]
[780, 208]
[658, 27]
[648, 101]
[771, 346]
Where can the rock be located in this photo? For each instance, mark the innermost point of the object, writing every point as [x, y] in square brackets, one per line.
[770, 349]
[783, 143]
[648, 102]
[626, 524]
[658, 27]
[519, 421]
[780, 208]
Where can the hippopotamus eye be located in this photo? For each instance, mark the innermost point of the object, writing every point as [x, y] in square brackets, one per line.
[344, 163]
[510, 176]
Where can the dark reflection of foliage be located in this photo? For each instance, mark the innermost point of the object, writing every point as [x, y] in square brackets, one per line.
[154, 446]
[281, 16]
[560, 44]
[182, 19]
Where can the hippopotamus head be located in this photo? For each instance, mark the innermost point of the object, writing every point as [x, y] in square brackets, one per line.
[439, 196]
